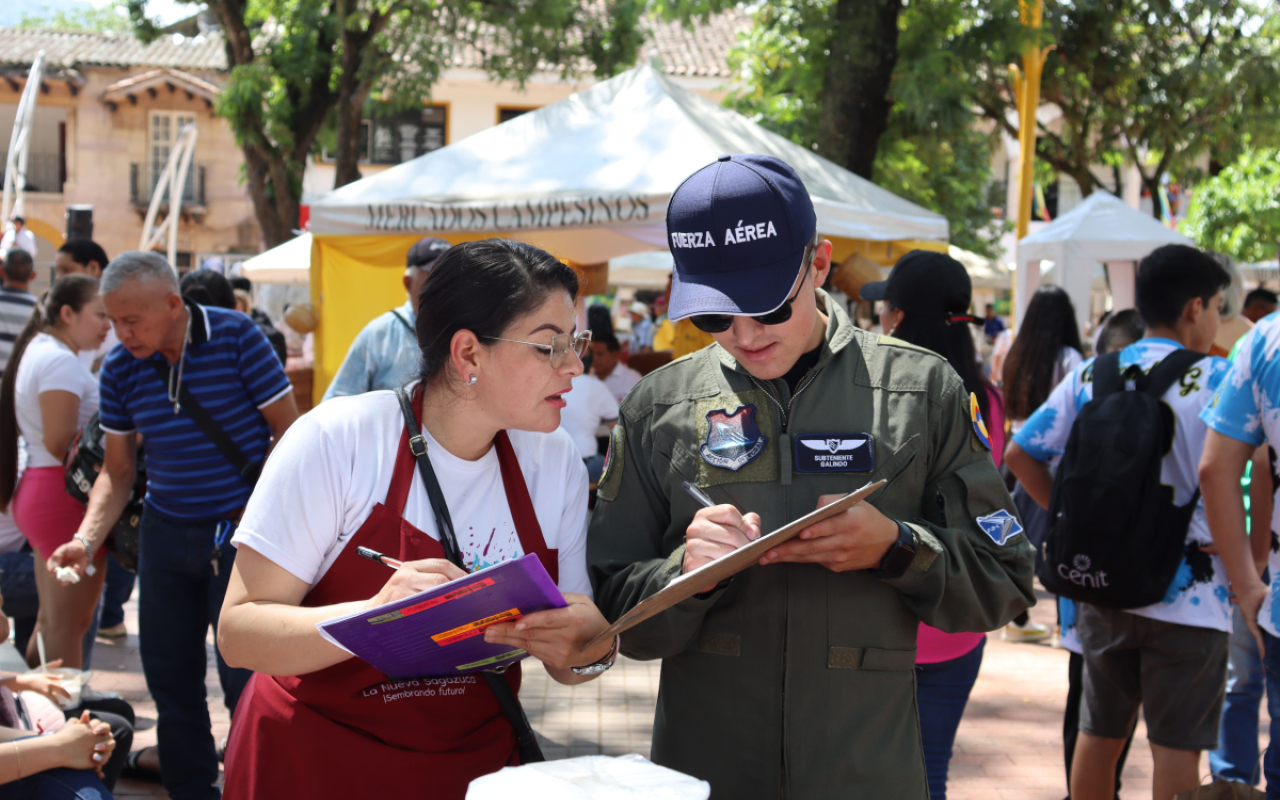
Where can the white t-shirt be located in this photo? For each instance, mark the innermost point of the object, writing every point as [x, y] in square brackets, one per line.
[589, 403]
[622, 380]
[334, 465]
[1247, 408]
[24, 239]
[92, 359]
[49, 365]
[1199, 594]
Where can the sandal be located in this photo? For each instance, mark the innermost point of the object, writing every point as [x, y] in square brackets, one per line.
[134, 772]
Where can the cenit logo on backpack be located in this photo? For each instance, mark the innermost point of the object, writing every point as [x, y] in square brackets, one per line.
[1080, 575]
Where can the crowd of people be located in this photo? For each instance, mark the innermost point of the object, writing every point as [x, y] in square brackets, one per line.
[492, 416]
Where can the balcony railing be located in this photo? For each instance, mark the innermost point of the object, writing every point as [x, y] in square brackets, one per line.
[142, 186]
[44, 172]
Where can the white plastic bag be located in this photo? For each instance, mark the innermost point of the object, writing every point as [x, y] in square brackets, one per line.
[629, 777]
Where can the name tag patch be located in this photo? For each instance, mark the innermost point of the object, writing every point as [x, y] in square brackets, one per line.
[834, 452]
[1001, 526]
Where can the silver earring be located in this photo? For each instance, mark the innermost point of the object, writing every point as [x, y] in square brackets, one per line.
[472, 381]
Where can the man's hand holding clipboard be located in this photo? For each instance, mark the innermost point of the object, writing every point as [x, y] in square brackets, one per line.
[727, 548]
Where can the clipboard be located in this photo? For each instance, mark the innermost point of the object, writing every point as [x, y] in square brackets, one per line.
[691, 583]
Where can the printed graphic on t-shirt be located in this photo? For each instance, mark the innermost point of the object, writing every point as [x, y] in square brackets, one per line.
[1247, 408]
[1198, 594]
[484, 549]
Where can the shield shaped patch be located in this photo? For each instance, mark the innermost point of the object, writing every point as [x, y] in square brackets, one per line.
[733, 440]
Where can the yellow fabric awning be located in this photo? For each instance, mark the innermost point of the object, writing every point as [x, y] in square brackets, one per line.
[356, 278]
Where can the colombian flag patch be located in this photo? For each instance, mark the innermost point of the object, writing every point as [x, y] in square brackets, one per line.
[979, 427]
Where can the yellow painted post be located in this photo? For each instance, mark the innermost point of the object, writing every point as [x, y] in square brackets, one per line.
[1027, 86]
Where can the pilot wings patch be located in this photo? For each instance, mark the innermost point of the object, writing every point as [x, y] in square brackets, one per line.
[834, 452]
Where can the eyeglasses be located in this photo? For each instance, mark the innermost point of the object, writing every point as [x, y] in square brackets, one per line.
[559, 348]
[719, 323]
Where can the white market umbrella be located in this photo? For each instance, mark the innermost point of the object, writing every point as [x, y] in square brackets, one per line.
[1101, 229]
[288, 264]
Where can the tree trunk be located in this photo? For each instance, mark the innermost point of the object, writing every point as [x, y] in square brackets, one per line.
[347, 153]
[276, 210]
[353, 90]
[855, 98]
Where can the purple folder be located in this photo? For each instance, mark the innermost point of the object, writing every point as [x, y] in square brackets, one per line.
[440, 632]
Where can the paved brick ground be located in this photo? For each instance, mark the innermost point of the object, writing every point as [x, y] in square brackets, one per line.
[1009, 744]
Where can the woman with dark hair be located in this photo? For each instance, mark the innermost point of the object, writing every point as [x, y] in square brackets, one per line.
[926, 303]
[1046, 349]
[46, 395]
[498, 352]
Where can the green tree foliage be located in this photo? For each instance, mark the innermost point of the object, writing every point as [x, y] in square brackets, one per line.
[297, 66]
[1237, 212]
[1148, 82]
[107, 19]
[931, 150]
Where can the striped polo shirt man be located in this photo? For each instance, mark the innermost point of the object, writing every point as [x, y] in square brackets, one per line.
[231, 370]
[15, 311]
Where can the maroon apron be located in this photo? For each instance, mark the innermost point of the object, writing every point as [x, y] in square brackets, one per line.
[347, 731]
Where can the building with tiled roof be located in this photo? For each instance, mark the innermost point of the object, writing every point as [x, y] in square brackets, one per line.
[109, 111]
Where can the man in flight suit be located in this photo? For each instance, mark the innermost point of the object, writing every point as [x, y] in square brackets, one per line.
[795, 678]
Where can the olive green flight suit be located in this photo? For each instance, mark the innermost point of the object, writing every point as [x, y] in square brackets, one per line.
[793, 681]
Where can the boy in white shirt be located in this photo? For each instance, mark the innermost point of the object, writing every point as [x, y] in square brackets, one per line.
[1169, 658]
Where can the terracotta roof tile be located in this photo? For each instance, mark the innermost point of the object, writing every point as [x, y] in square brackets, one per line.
[65, 49]
[701, 50]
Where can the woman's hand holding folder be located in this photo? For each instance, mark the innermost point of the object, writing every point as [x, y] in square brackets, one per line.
[556, 637]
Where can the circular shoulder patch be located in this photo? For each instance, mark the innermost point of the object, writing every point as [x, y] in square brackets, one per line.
[979, 427]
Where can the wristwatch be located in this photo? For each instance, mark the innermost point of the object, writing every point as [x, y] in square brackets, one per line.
[601, 665]
[895, 562]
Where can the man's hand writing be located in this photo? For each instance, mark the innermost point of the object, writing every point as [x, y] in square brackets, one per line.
[715, 532]
[856, 539]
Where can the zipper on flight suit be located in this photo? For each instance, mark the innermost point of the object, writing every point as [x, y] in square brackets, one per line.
[785, 453]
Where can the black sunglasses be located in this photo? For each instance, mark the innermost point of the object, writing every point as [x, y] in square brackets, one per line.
[719, 323]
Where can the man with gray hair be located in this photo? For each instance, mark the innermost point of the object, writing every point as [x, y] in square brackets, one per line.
[385, 354]
[204, 389]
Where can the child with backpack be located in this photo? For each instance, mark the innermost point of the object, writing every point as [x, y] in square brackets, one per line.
[1127, 532]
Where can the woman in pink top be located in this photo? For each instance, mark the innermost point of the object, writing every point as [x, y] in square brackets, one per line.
[932, 311]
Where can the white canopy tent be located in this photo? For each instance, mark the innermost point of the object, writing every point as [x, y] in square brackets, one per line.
[288, 264]
[1102, 229]
[588, 178]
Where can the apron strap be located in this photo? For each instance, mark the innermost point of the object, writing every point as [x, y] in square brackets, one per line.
[402, 475]
[522, 513]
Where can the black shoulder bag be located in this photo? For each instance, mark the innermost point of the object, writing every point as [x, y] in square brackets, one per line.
[249, 470]
[526, 742]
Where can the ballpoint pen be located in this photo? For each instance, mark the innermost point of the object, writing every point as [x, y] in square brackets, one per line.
[374, 555]
[698, 494]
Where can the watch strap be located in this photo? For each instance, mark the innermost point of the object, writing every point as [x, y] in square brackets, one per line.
[900, 555]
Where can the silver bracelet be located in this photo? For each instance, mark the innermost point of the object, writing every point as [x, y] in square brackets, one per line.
[601, 665]
[88, 546]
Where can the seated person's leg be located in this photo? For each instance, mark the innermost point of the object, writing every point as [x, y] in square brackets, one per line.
[57, 784]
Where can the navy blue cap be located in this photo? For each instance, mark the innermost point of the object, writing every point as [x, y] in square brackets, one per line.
[425, 251]
[738, 229]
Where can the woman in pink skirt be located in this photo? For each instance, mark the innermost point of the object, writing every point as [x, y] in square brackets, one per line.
[46, 395]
